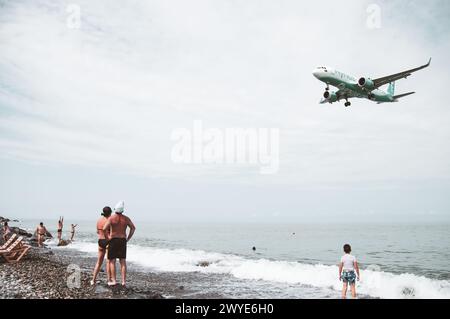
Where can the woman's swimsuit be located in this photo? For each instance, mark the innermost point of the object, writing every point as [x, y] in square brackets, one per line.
[102, 243]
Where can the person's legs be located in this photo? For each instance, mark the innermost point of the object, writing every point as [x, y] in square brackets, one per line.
[108, 271]
[112, 256]
[344, 290]
[112, 269]
[98, 265]
[353, 289]
[123, 270]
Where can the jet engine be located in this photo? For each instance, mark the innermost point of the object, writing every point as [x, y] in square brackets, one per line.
[330, 96]
[366, 83]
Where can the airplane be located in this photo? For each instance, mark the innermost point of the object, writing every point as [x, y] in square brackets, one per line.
[349, 87]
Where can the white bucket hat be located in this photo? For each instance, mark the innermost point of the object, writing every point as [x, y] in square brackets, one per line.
[120, 206]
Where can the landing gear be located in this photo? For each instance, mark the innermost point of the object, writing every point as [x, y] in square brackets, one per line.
[347, 103]
[327, 88]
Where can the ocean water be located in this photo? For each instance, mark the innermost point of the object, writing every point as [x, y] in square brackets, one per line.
[290, 261]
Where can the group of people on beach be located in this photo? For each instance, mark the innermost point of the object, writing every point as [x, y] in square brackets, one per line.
[41, 232]
[112, 241]
[113, 238]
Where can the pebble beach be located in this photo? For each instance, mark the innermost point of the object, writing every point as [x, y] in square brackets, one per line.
[47, 274]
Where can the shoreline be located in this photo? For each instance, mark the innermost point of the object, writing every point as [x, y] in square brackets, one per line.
[155, 272]
[46, 274]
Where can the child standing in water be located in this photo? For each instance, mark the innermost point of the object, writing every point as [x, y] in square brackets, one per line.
[347, 268]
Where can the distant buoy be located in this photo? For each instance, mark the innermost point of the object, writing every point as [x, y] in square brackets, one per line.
[254, 248]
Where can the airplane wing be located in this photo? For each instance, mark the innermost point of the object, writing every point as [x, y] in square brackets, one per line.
[342, 93]
[402, 75]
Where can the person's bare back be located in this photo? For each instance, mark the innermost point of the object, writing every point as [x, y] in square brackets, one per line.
[116, 228]
[118, 225]
[100, 224]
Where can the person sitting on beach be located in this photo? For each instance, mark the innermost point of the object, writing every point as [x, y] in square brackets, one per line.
[6, 231]
[117, 226]
[72, 231]
[103, 239]
[60, 227]
[41, 231]
[347, 268]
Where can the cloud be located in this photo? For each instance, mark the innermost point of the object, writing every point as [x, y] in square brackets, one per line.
[110, 93]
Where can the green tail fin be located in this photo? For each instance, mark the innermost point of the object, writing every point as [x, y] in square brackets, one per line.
[391, 88]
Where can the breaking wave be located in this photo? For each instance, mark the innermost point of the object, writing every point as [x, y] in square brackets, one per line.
[374, 283]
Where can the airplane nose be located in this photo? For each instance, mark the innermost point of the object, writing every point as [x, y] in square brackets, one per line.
[316, 73]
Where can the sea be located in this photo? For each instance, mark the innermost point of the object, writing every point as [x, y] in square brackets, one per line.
[289, 260]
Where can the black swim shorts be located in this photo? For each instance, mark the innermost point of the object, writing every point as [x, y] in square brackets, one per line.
[117, 248]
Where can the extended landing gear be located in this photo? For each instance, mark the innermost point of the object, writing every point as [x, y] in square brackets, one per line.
[327, 88]
[347, 103]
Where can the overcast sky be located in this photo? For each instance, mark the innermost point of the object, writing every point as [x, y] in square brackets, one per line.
[87, 111]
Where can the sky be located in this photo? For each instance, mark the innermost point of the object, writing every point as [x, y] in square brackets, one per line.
[92, 91]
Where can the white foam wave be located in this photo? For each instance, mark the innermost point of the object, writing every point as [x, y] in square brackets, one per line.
[374, 283]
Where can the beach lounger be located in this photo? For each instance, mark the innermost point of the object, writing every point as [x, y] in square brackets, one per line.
[9, 241]
[16, 244]
[15, 251]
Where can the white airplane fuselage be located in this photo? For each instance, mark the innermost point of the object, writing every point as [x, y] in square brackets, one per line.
[349, 87]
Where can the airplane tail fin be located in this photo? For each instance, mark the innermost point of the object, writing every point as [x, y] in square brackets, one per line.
[391, 88]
